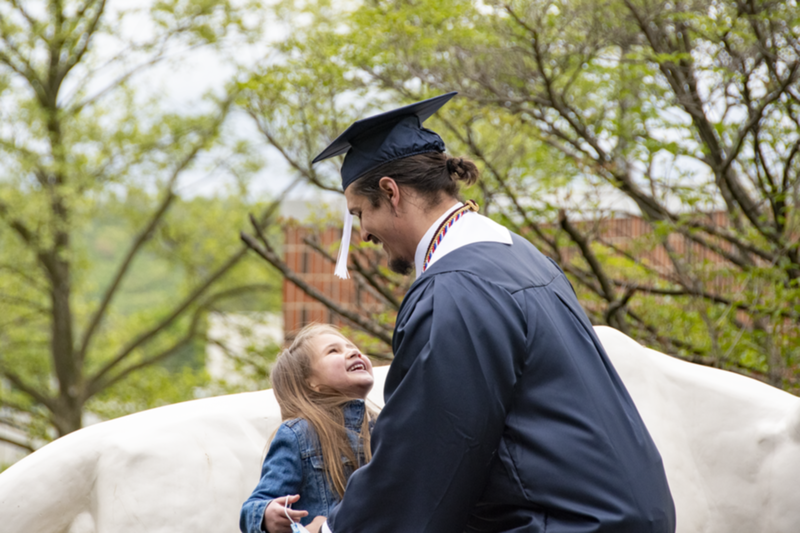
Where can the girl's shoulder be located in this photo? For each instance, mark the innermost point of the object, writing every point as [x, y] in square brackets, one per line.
[296, 425]
[291, 423]
[300, 430]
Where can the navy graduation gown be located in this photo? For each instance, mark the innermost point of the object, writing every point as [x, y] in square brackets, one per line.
[503, 412]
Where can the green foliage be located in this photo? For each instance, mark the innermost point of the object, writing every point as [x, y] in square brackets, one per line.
[107, 268]
[684, 115]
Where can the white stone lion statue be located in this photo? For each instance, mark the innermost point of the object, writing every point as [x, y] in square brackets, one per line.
[730, 444]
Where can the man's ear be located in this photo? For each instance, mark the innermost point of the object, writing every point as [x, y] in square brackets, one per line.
[391, 191]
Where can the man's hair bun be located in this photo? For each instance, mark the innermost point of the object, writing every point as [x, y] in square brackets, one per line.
[432, 175]
[461, 169]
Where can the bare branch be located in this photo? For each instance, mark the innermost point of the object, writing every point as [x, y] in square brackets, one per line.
[21, 409]
[28, 18]
[306, 172]
[24, 302]
[187, 302]
[630, 257]
[500, 178]
[384, 291]
[373, 328]
[588, 254]
[711, 297]
[23, 68]
[699, 357]
[137, 244]
[18, 383]
[169, 319]
[617, 308]
[89, 100]
[87, 34]
[788, 166]
[716, 231]
[24, 274]
[104, 381]
[191, 334]
[20, 320]
[20, 444]
[25, 233]
[375, 289]
[554, 100]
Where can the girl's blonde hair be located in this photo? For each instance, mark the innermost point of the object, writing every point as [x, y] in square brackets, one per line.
[321, 409]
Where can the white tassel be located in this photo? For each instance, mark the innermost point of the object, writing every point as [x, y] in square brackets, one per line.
[344, 249]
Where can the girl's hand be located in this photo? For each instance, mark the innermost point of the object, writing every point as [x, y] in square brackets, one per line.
[275, 520]
[316, 525]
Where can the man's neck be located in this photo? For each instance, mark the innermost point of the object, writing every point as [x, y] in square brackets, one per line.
[424, 241]
[426, 218]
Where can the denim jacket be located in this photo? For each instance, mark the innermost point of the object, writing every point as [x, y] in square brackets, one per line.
[294, 466]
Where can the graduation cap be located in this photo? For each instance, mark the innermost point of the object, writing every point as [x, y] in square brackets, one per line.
[379, 139]
[371, 142]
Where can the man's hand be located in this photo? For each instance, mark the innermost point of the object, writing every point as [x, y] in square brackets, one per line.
[275, 520]
[316, 525]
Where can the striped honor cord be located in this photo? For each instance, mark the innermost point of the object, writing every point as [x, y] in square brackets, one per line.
[446, 225]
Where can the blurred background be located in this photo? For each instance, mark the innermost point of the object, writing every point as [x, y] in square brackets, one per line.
[650, 147]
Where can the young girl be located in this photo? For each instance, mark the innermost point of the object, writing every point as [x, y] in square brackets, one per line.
[320, 383]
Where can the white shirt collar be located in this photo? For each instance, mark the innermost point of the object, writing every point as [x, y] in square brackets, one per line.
[422, 247]
[471, 228]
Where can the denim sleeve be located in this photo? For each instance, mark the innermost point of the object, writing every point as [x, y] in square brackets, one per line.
[281, 475]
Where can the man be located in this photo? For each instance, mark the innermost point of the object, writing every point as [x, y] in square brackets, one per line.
[503, 412]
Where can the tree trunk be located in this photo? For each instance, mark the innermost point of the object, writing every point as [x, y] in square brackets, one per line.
[68, 370]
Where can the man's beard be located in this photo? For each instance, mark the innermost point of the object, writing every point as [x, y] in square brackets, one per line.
[401, 266]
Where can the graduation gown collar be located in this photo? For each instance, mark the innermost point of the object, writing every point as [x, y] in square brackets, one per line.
[422, 246]
[471, 228]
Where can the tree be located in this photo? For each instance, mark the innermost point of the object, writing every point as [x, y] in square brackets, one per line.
[297, 108]
[684, 113]
[84, 150]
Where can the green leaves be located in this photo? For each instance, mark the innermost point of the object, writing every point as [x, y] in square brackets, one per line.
[201, 21]
[678, 121]
[109, 258]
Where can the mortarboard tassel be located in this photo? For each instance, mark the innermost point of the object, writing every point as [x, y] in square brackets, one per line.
[344, 248]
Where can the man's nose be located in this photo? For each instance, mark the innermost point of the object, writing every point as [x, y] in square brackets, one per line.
[364, 234]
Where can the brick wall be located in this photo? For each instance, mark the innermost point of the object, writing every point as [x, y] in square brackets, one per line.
[314, 268]
[299, 309]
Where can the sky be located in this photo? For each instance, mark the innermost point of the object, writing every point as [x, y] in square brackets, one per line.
[182, 82]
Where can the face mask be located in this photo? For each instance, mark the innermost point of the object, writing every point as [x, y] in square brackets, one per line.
[296, 528]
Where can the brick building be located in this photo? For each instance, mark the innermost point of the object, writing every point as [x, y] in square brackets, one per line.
[316, 268]
[313, 267]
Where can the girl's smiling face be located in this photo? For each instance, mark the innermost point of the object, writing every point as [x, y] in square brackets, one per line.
[339, 365]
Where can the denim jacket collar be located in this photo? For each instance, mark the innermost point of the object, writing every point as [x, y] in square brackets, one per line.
[354, 414]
